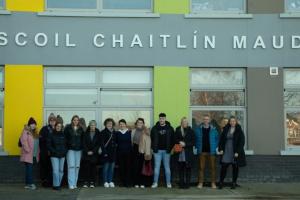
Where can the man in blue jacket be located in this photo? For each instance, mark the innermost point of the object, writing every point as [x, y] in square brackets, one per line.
[207, 139]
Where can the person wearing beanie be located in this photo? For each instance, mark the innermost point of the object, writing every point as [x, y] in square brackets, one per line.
[29, 151]
[45, 162]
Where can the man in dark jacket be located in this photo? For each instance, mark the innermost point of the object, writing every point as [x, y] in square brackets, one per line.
[45, 163]
[162, 142]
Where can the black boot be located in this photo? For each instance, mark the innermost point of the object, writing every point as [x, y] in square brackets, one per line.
[233, 186]
[220, 185]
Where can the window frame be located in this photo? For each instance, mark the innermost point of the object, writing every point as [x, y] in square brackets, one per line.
[4, 5]
[129, 90]
[99, 9]
[126, 86]
[219, 87]
[287, 108]
[70, 108]
[218, 11]
[126, 109]
[224, 88]
[98, 107]
[286, 10]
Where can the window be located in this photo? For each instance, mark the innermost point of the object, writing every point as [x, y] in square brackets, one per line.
[127, 4]
[220, 93]
[218, 6]
[1, 105]
[292, 5]
[130, 115]
[100, 5]
[292, 108]
[99, 93]
[2, 4]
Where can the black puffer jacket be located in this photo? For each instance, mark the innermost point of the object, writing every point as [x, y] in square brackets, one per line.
[44, 134]
[56, 144]
[238, 143]
[169, 137]
[74, 138]
[91, 145]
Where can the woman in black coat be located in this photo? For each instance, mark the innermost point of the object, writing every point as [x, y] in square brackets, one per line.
[56, 145]
[108, 155]
[231, 147]
[185, 137]
[91, 144]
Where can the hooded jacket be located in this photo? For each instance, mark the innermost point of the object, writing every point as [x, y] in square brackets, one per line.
[169, 137]
[27, 149]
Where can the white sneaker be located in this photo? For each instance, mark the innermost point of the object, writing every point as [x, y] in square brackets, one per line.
[154, 185]
[142, 186]
[169, 185]
[136, 186]
[106, 185]
[71, 187]
[30, 187]
[111, 184]
[27, 187]
[85, 186]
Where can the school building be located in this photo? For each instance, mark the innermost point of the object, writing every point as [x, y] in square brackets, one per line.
[138, 58]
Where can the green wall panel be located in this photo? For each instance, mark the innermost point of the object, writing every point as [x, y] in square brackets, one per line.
[171, 93]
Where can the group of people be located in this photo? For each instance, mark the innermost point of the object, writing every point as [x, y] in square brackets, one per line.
[138, 152]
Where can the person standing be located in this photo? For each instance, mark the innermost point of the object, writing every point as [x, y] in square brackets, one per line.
[82, 124]
[57, 147]
[91, 145]
[162, 142]
[29, 142]
[231, 147]
[124, 150]
[207, 139]
[185, 137]
[108, 155]
[141, 154]
[45, 162]
[74, 134]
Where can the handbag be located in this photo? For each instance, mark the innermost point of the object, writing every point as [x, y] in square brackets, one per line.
[177, 148]
[100, 149]
[147, 168]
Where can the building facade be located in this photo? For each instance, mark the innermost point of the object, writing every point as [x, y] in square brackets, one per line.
[137, 58]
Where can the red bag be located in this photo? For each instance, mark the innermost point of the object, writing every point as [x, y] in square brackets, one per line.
[147, 169]
[177, 148]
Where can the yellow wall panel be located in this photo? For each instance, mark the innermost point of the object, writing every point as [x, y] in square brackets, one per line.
[25, 5]
[23, 99]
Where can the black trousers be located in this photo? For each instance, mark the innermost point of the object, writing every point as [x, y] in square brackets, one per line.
[138, 160]
[235, 171]
[184, 172]
[124, 161]
[45, 170]
[89, 171]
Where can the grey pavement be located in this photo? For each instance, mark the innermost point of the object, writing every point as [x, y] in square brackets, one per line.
[246, 191]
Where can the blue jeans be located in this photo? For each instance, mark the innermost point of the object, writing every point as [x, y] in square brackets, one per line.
[73, 160]
[28, 173]
[58, 170]
[162, 155]
[108, 172]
